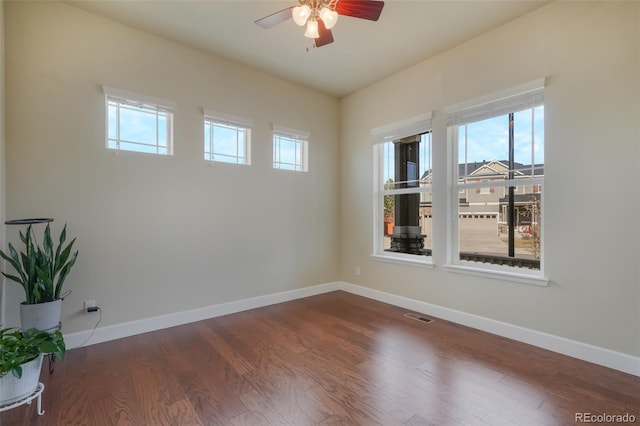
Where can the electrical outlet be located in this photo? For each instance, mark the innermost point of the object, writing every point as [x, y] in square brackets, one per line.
[89, 304]
[357, 270]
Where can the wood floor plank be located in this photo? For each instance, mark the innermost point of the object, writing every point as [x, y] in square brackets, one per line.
[340, 385]
[259, 402]
[239, 364]
[181, 412]
[213, 395]
[250, 418]
[278, 405]
[330, 359]
[150, 394]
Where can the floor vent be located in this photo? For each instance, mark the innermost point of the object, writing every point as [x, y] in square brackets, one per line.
[418, 317]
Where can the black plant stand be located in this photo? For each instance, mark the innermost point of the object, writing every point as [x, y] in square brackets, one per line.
[28, 221]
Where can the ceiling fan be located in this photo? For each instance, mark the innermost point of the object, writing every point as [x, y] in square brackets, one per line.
[321, 15]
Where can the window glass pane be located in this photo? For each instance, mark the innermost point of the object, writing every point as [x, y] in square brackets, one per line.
[285, 166]
[225, 142]
[523, 137]
[226, 159]
[539, 134]
[496, 225]
[529, 142]
[389, 166]
[240, 143]
[137, 128]
[484, 235]
[478, 221]
[208, 148]
[112, 122]
[483, 141]
[132, 146]
[288, 153]
[162, 131]
[406, 164]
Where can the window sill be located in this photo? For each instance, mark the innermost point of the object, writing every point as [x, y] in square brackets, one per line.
[422, 261]
[521, 278]
[215, 163]
[114, 152]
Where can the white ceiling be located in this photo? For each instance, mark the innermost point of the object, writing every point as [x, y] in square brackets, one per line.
[363, 52]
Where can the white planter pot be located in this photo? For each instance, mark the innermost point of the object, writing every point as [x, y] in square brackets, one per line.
[43, 316]
[13, 389]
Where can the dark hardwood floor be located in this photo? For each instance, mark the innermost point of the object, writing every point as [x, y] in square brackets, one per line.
[331, 359]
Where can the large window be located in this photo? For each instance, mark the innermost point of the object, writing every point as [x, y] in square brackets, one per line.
[138, 122]
[290, 149]
[227, 139]
[498, 181]
[404, 178]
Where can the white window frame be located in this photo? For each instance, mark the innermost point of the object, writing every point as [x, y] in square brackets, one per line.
[525, 96]
[301, 140]
[147, 104]
[409, 127]
[239, 124]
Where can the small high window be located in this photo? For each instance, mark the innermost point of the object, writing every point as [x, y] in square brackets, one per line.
[290, 149]
[227, 139]
[138, 122]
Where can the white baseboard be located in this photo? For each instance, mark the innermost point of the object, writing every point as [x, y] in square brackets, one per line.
[597, 355]
[117, 331]
[586, 352]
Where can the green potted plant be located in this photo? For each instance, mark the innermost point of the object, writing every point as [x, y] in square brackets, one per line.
[21, 355]
[41, 271]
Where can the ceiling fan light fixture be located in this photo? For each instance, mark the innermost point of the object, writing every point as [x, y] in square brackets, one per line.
[320, 16]
[312, 29]
[329, 17]
[301, 14]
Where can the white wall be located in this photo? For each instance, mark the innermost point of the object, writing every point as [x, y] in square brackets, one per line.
[588, 51]
[160, 235]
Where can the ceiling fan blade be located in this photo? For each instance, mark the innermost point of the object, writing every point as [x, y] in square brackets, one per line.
[275, 18]
[364, 9]
[326, 37]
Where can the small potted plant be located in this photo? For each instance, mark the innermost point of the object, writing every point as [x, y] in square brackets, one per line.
[21, 359]
[41, 271]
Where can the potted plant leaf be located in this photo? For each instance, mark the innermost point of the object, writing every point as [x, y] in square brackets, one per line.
[41, 270]
[21, 355]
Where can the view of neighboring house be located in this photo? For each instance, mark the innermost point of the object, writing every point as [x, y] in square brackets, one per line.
[491, 202]
[484, 210]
